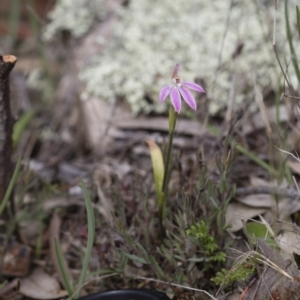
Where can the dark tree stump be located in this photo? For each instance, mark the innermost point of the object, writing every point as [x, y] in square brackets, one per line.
[7, 62]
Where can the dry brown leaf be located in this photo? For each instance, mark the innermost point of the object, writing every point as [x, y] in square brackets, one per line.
[294, 165]
[10, 290]
[162, 124]
[55, 202]
[274, 284]
[16, 257]
[39, 285]
[289, 240]
[259, 200]
[237, 211]
[257, 181]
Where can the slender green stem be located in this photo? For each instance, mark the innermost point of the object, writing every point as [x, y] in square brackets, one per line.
[167, 165]
[290, 40]
[62, 268]
[91, 236]
[172, 123]
[10, 186]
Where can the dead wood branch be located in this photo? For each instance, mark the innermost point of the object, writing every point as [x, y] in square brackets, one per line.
[7, 63]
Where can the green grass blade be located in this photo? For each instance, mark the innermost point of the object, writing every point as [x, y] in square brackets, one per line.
[256, 159]
[10, 186]
[136, 258]
[244, 151]
[157, 268]
[91, 237]
[298, 19]
[62, 268]
[20, 125]
[290, 40]
[14, 19]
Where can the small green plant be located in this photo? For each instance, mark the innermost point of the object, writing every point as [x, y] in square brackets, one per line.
[177, 90]
[258, 231]
[238, 272]
[201, 231]
[72, 292]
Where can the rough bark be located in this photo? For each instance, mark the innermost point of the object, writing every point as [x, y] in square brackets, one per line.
[7, 63]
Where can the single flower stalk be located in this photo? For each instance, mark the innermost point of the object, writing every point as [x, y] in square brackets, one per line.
[179, 88]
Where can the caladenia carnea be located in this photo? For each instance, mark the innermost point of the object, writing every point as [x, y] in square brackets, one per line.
[161, 168]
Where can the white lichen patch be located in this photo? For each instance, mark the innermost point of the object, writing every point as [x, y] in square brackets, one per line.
[202, 36]
[74, 16]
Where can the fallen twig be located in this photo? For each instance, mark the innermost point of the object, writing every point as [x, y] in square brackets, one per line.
[7, 62]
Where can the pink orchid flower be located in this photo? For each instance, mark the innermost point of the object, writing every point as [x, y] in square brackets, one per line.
[180, 88]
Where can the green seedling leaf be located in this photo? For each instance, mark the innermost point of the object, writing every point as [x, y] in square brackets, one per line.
[20, 125]
[190, 267]
[136, 258]
[10, 186]
[123, 261]
[3, 284]
[237, 273]
[91, 236]
[288, 242]
[158, 171]
[196, 259]
[154, 263]
[62, 268]
[143, 250]
[259, 231]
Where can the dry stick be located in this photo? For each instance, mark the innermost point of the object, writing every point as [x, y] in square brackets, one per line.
[7, 62]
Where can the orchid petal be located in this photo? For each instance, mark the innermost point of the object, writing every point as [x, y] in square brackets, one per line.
[188, 97]
[164, 92]
[175, 98]
[175, 71]
[193, 86]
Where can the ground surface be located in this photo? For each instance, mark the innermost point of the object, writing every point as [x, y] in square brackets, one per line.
[63, 140]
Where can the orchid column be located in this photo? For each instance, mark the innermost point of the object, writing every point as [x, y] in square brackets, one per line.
[177, 89]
